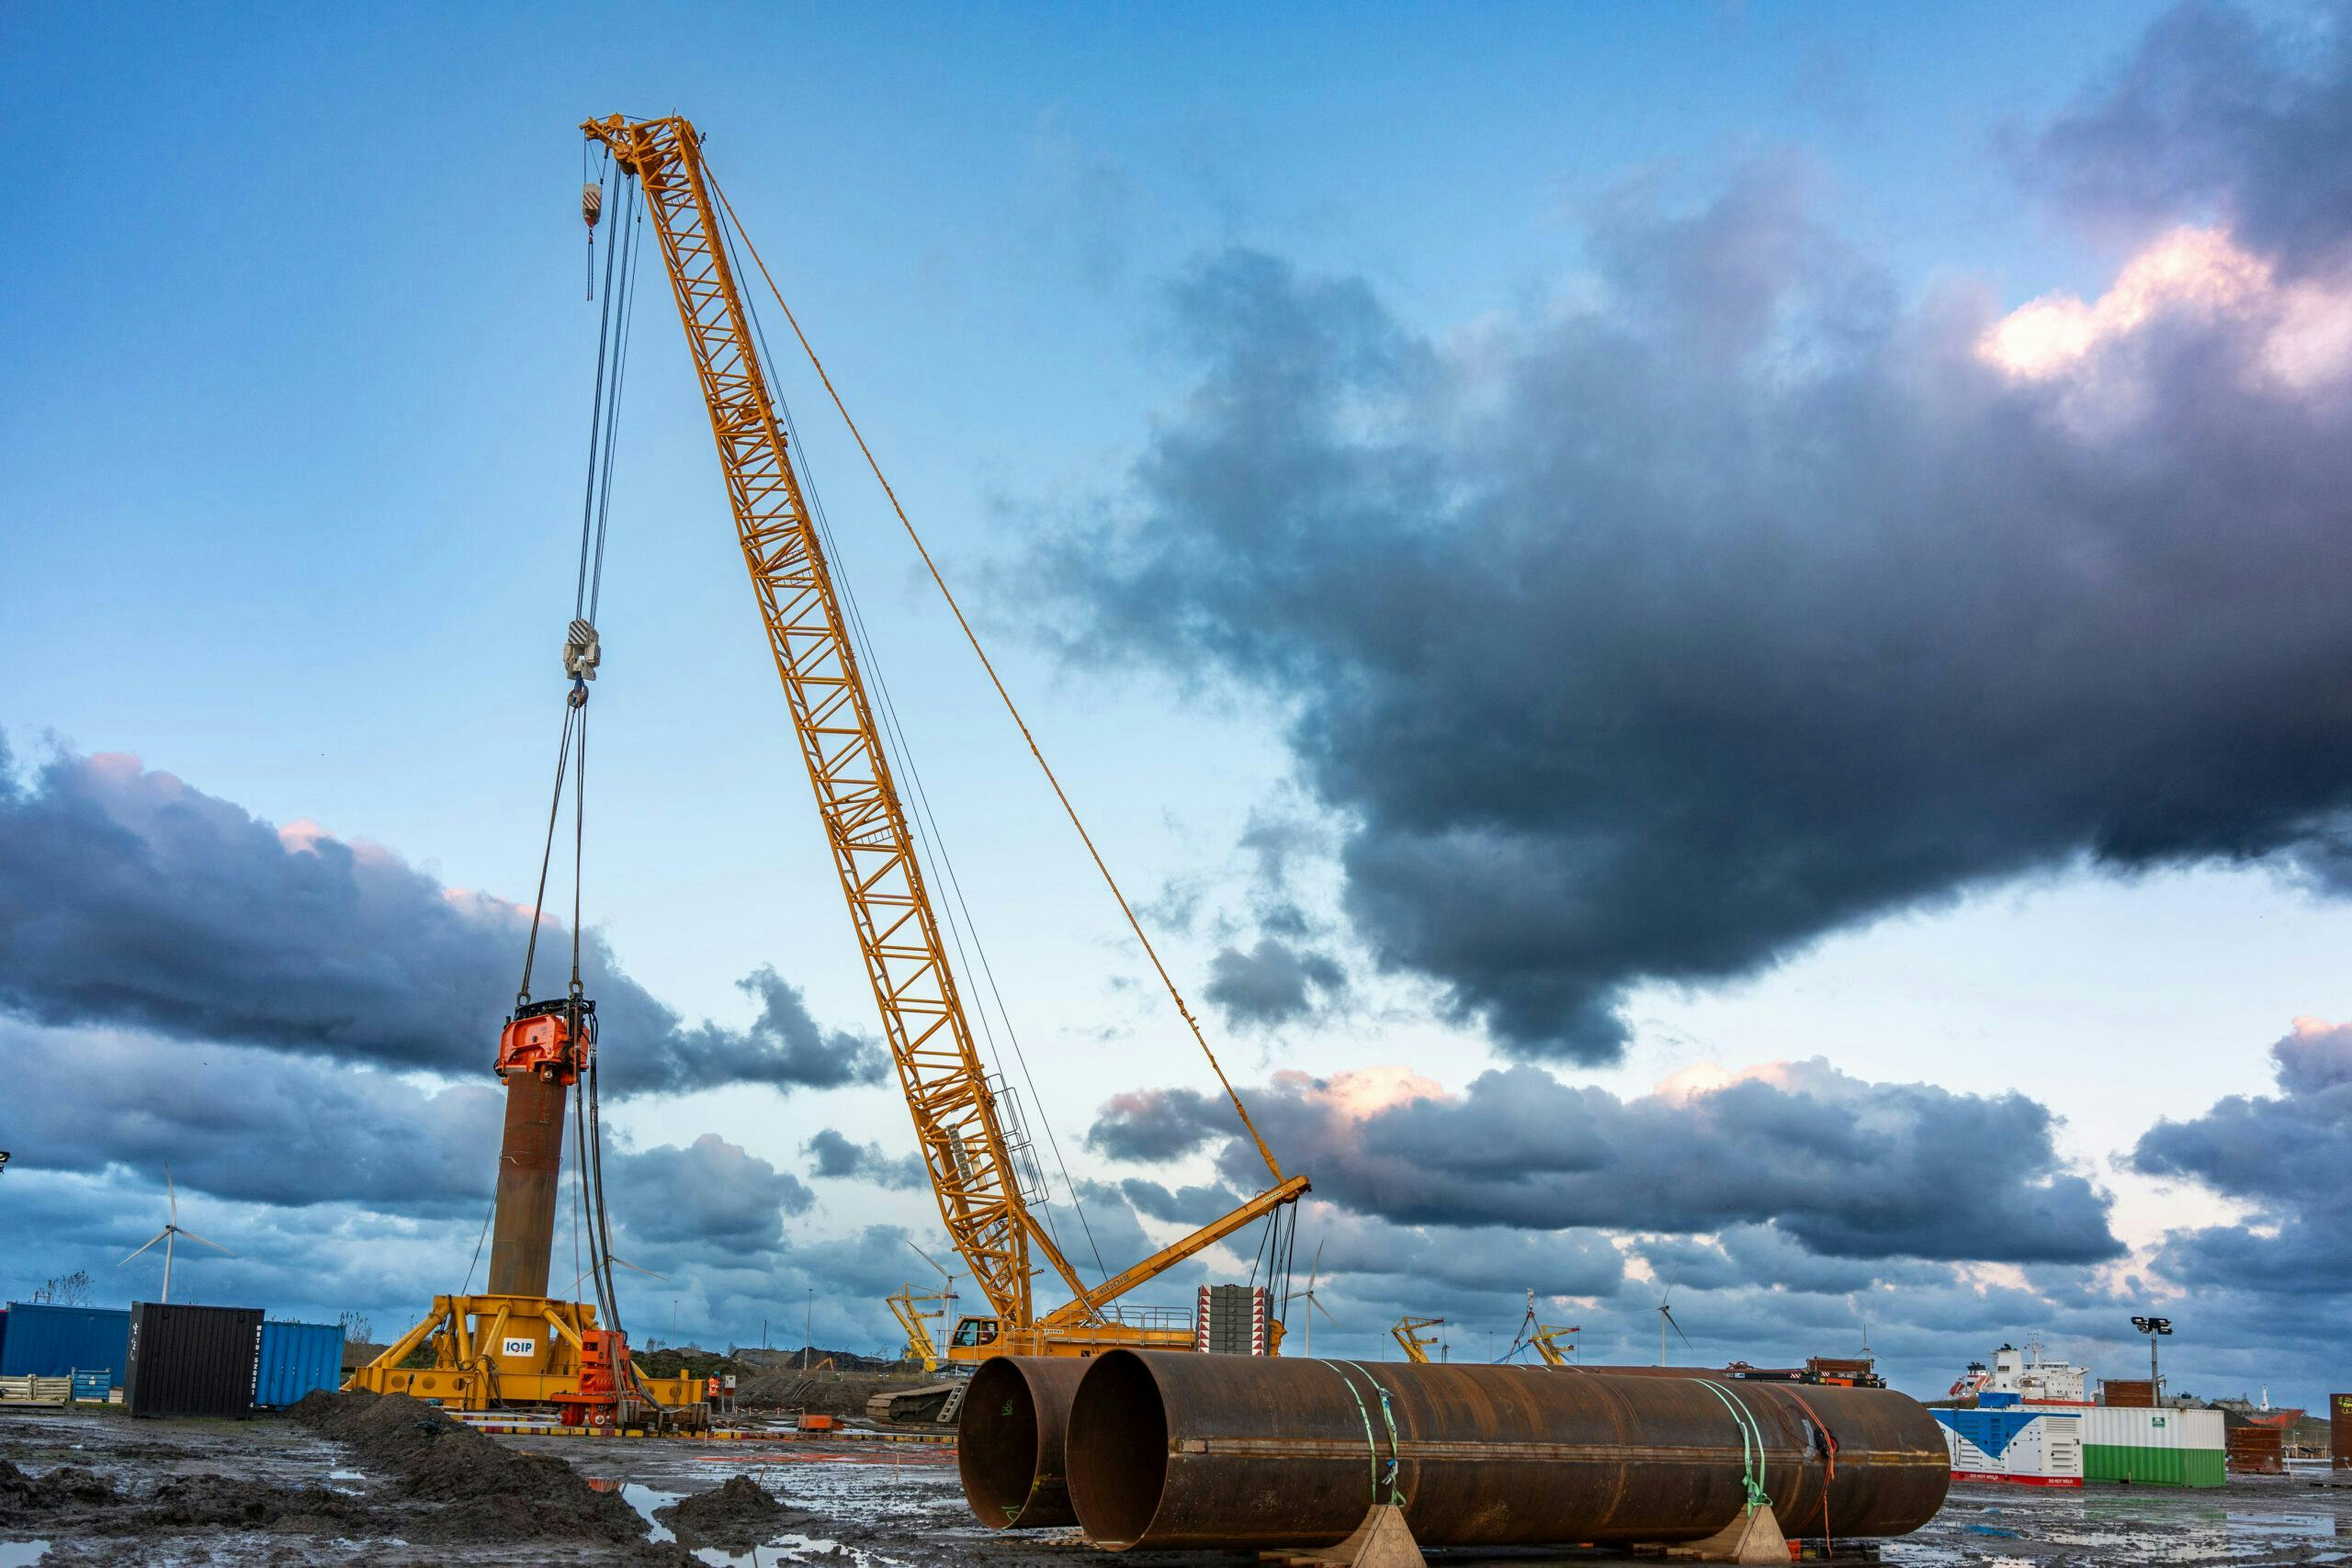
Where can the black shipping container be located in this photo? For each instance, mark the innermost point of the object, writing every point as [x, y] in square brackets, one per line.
[192, 1361]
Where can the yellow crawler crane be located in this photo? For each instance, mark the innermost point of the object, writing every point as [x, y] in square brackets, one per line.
[911, 1310]
[1546, 1340]
[980, 1171]
[1416, 1344]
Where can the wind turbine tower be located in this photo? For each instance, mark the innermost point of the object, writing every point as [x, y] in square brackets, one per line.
[172, 1231]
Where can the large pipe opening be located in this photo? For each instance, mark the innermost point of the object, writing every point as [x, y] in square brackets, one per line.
[1118, 1451]
[996, 1443]
[1008, 1441]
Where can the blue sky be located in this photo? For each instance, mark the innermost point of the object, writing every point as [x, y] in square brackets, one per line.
[296, 404]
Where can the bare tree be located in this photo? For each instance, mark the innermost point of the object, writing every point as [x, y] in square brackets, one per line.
[65, 1290]
[356, 1328]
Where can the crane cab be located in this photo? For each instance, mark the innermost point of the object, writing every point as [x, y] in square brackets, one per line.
[973, 1334]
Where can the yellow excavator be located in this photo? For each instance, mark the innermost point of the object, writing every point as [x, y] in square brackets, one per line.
[989, 1185]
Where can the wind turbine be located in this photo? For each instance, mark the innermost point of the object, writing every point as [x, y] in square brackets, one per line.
[172, 1231]
[1664, 1317]
[947, 1294]
[1306, 1344]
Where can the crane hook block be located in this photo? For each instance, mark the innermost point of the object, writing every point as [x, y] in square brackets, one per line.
[551, 1039]
[582, 652]
[592, 203]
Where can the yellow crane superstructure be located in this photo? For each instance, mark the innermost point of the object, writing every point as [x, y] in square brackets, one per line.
[1409, 1337]
[974, 1166]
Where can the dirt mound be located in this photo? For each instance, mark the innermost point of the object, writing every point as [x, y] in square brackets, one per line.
[71, 1499]
[22, 1496]
[190, 1502]
[737, 1516]
[491, 1493]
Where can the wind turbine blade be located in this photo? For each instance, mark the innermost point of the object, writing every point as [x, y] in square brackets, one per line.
[215, 1246]
[1318, 1307]
[927, 1257]
[616, 1257]
[158, 1237]
[1678, 1328]
[172, 1193]
[1315, 1269]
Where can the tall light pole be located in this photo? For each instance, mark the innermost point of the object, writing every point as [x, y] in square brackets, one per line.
[2154, 1327]
[808, 1334]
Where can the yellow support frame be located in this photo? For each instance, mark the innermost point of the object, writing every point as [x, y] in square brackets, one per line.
[476, 1367]
[1407, 1334]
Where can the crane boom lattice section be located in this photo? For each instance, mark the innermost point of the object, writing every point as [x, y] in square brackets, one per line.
[940, 1071]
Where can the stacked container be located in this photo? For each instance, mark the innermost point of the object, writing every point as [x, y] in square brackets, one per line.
[2257, 1451]
[2026, 1445]
[57, 1341]
[192, 1361]
[2152, 1447]
[297, 1358]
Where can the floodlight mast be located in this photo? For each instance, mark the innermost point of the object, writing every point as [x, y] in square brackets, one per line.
[2154, 1327]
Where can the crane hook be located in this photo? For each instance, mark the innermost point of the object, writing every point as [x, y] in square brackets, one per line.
[592, 208]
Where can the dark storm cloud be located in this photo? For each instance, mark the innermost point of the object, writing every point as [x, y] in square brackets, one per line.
[1274, 982]
[1656, 635]
[2275, 1154]
[841, 1159]
[1363, 1248]
[253, 1126]
[1190, 1206]
[710, 1191]
[1158, 1123]
[2216, 115]
[1846, 1168]
[128, 899]
[244, 1123]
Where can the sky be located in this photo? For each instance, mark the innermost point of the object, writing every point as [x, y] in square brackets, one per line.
[1709, 636]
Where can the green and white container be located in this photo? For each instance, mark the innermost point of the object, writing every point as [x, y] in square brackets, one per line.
[2153, 1447]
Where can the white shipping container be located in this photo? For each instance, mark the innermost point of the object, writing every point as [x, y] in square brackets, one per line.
[2125, 1427]
[2033, 1448]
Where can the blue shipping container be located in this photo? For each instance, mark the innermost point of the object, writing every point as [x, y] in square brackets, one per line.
[297, 1359]
[53, 1341]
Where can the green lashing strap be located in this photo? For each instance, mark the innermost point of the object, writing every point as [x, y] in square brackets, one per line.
[1751, 1455]
[1379, 1482]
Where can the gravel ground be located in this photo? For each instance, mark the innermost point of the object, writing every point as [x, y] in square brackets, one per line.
[273, 1491]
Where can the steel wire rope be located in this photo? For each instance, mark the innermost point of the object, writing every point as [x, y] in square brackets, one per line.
[628, 242]
[595, 430]
[931, 841]
[539, 899]
[985, 663]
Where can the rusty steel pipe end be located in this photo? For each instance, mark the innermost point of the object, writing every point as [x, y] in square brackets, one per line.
[1181, 1450]
[1120, 1472]
[1009, 1440]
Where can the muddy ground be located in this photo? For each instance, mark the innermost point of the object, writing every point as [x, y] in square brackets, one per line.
[392, 1482]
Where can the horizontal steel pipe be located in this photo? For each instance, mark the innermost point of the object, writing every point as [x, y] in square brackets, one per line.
[1009, 1440]
[1170, 1450]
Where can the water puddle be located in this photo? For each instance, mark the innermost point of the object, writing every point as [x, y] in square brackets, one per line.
[789, 1547]
[23, 1553]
